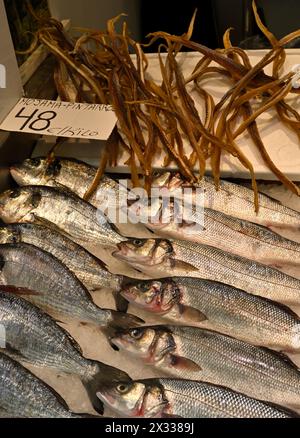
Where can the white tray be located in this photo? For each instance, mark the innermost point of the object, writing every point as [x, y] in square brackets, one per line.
[280, 141]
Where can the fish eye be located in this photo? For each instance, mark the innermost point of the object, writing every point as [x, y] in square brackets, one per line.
[122, 389]
[143, 287]
[36, 162]
[156, 174]
[15, 194]
[136, 333]
[138, 243]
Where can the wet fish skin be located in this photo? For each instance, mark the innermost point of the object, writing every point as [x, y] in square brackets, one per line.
[161, 398]
[235, 200]
[57, 289]
[60, 209]
[75, 175]
[210, 227]
[89, 270]
[34, 337]
[160, 258]
[24, 395]
[200, 354]
[219, 307]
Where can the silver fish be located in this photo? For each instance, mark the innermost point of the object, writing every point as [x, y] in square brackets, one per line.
[22, 394]
[56, 288]
[233, 200]
[199, 354]
[173, 219]
[60, 209]
[91, 271]
[220, 307]
[162, 258]
[32, 336]
[159, 398]
[75, 175]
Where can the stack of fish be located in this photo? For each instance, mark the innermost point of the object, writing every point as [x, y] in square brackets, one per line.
[219, 290]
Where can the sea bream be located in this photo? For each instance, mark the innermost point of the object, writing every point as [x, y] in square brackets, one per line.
[23, 395]
[47, 282]
[205, 303]
[34, 337]
[61, 209]
[173, 219]
[91, 271]
[199, 354]
[159, 258]
[75, 175]
[173, 398]
[232, 199]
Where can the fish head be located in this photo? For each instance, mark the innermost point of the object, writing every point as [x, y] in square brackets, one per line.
[134, 399]
[144, 252]
[155, 296]
[145, 210]
[167, 180]
[151, 344]
[32, 171]
[8, 235]
[16, 204]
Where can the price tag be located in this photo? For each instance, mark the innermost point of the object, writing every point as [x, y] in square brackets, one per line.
[61, 119]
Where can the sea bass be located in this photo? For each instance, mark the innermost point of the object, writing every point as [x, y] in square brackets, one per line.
[60, 209]
[34, 337]
[220, 307]
[162, 258]
[199, 354]
[233, 200]
[173, 219]
[57, 289]
[22, 394]
[167, 398]
[91, 271]
[75, 175]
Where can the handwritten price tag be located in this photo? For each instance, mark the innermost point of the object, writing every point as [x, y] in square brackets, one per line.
[61, 119]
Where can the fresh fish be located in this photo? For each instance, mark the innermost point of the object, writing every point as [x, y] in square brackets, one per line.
[199, 354]
[233, 200]
[32, 336]
[75, 175]
[57, 289]
[219, 307]
[173, 219]
[89, 270]
[22, 394]
[162, 258]
[60, 209]
[171, 398]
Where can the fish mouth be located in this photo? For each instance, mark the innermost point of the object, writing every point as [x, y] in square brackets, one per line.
[121, 252]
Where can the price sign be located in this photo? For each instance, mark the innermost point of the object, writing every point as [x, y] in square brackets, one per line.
[61, 119]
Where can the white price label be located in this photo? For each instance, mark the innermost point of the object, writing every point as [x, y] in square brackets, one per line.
[61, 119]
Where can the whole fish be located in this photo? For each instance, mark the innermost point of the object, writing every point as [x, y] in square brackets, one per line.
[162, 258]
[75, 175]
[32, 336]
[57, 289]
[233, 200]
[199, 354]
[89, 270]
[220, 307]
[60, 209]
[22, 394]
[167, 398]
[173, 219]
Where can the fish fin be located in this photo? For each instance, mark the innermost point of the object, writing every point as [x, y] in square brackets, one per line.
[182, 363]
[191, 314]
[19, 291]
[124, 320]
[179, 264]
[121, 303]
[44, 222]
